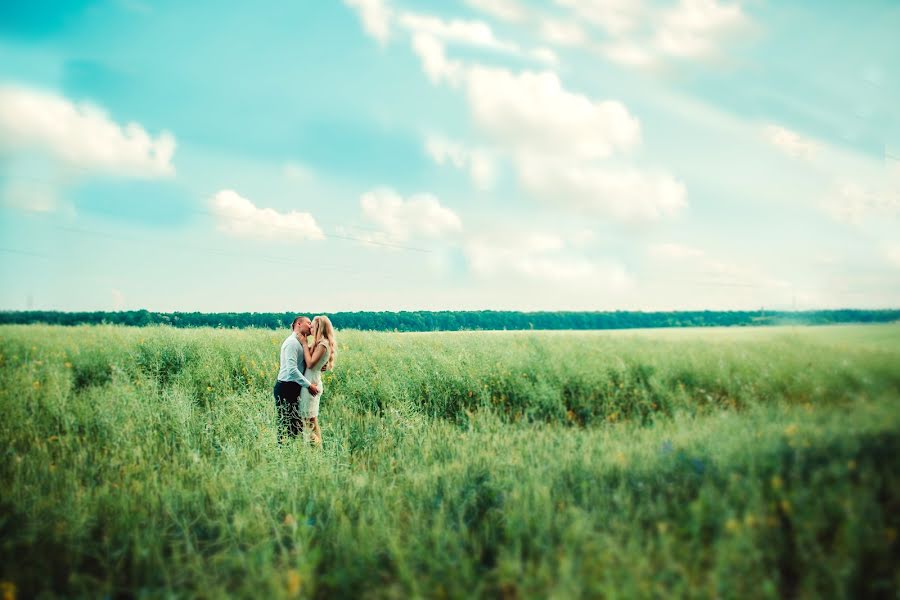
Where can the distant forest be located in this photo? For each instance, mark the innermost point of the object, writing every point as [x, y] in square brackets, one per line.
[462, 320]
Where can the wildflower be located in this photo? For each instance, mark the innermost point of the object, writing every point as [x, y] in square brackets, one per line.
[662, 527]
[36, 385]
[293, 583]
[776, 482]
[209, 388]
[750, 521]
[8, 588]
[790, 429]
[68, 365]
[289, 520]
[732, 525]
[785, 506]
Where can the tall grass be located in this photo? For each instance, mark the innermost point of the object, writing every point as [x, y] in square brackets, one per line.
[729, 463]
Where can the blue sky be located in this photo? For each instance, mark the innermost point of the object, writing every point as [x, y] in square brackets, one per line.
[388, 155]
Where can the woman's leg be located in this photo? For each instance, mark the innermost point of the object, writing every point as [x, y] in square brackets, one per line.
[316, 436]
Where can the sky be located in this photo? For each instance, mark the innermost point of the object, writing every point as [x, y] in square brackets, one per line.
[477, 154]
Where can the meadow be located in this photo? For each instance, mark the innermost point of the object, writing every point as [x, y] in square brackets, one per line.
[721, 463]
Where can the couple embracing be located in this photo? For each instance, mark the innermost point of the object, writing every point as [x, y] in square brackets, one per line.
[299, 384]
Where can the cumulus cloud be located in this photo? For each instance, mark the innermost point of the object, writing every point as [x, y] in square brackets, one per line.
[79, 135]
[696, 28]
[790, 142]
[470, 33]
[419, 216]
[643, 34]
[539, 257]
[434, 59]
[533, 111]
[624, 193]
[556, 136]
[239, 217]
[479, 163]
[375, 16]
[562, 33]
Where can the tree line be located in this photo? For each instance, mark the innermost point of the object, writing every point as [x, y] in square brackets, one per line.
[461, 320]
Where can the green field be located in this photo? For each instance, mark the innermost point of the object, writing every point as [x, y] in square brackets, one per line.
[721, 463]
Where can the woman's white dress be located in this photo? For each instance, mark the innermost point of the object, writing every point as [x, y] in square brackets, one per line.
[309, 404]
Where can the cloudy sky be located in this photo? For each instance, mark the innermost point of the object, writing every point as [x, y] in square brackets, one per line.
[390, 155]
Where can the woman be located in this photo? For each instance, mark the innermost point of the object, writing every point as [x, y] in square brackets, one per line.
[319, 357]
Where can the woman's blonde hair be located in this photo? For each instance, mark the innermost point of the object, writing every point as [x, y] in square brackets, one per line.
[324, 329]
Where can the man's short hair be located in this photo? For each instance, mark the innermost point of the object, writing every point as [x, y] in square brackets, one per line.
[297, 319]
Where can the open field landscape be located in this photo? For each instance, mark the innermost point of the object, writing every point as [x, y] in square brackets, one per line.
[721, 463]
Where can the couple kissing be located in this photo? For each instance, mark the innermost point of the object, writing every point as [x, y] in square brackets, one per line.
[299, 386]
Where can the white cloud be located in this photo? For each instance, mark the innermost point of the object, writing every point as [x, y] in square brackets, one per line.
[643, 34]
[562, 33]
[506, 10]
[631, 54]
[419, 216]
[674, 251]
[696, 28]
[30, 195]
[478, 162]
[625, 193]
[545, 55]
[434, 59]
[555, 137]
[375, 16]
[240, 217]
[470, 33]
[79, 135]
[790, 142]
[539, 257]
[533, 111]
[431, 34]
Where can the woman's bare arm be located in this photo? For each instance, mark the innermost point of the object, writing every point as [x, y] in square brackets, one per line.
[313, 356]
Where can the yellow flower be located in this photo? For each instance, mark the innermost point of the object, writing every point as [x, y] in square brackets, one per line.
[732, 525]
[776, 483]
[749, 520]
[662, 527]
[790, 429]
[785, 506]
[209, 388]
[293, 583]
[68, 365]
[36, 384]
[289, 520]
[8, 588]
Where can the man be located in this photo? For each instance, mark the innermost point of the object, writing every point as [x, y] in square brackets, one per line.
[291, 380]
